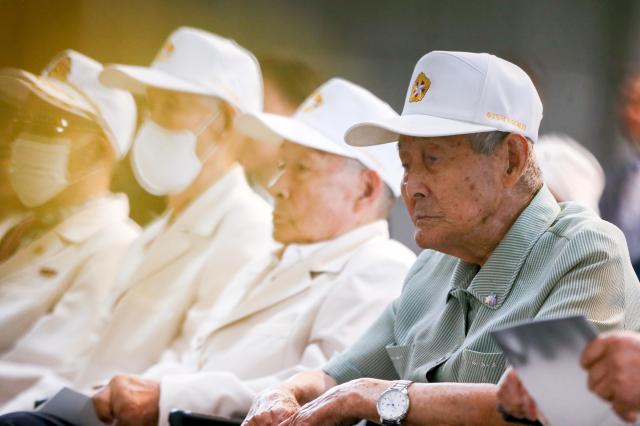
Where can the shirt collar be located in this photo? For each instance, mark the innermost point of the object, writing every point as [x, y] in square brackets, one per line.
[323, 256]
[294, 253]
[492, 283]
[93, 217]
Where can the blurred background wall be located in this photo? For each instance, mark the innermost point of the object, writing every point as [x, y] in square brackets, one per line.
[577, 51]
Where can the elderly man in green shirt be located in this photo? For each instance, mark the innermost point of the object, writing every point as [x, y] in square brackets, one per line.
[501, 250]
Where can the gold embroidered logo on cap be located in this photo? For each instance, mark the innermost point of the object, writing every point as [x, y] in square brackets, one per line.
[511, 121]
[61, 69]
[314, 102]
[166, 51]
[420, 88]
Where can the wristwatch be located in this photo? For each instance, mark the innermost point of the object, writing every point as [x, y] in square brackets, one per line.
[393, 403]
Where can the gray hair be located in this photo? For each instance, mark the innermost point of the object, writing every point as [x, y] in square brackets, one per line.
[486, 143]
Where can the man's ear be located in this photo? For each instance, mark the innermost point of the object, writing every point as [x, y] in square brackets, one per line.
[517, 147]
[370, 189]
[224, 131]
[229, 113]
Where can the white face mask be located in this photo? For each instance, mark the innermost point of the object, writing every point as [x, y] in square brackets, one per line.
[39, 168]
[165, 161]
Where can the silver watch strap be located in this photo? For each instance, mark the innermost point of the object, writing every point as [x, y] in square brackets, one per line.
[401, 385]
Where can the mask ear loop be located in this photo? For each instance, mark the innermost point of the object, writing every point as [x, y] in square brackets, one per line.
[207, 123]
[204, 127]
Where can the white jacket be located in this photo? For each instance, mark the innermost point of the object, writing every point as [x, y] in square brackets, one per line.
[50, 281]
[281, 317]
[57, 289]
[176, 266]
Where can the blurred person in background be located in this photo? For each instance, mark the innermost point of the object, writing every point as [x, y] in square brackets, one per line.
[66, 137]
[287, 82]
[621, 200]
[570, 171]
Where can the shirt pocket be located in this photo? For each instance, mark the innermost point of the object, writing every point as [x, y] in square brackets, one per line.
[480, 367]
[398, 356]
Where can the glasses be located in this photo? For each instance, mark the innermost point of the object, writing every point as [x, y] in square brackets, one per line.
[50, 123]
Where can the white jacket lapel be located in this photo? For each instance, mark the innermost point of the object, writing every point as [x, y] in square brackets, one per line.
[284, 286]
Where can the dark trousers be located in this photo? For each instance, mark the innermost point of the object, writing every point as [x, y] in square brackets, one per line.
[32, 418]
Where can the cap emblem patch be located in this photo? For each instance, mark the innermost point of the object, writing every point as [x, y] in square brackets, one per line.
[314, 102]
[420, 88]
[61, 69]
[165, 53]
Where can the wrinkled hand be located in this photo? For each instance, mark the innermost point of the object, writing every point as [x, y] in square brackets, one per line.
[341, 405]
[514, 397]
[130, 400]
[272, 407]
[612, 361]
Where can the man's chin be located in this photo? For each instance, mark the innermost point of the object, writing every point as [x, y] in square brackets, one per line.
[425, 239]
[284, 236]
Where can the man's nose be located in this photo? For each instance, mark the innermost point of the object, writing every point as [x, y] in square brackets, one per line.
[277, 186]
[414, 186]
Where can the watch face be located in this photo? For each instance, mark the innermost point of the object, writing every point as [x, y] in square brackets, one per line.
[393, 404]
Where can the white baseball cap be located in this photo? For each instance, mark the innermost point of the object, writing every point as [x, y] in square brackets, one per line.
[70, 82]
[570, 171]
[198, 62]
[455, 93]
[320, 123]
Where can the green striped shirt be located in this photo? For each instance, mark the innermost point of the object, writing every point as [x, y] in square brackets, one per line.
[556, 260]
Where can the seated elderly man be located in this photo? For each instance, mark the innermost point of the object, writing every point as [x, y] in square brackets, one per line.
[336, 272]
[66, 138]
[612, 361]
[501, 250]
[68, 132]
[187, 149]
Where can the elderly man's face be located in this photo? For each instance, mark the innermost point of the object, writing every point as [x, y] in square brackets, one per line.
[448, 188]
[314, 195]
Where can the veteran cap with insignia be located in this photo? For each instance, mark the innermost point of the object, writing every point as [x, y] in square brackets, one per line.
[320, 123]
[198, 62]
[70, 82]
[455, 93]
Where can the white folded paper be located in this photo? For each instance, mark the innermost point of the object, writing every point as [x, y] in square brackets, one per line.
[546, 355]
